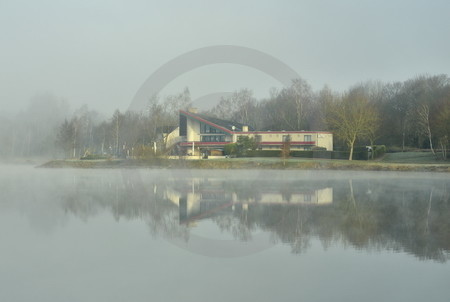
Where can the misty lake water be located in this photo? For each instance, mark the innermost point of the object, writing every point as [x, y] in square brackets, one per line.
[209, 235]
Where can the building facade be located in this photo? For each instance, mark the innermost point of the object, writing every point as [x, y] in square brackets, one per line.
[199, 133]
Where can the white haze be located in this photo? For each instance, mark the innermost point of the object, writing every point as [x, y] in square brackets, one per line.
[99, 53]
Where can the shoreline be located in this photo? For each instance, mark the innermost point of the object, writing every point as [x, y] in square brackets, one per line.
[248, 163]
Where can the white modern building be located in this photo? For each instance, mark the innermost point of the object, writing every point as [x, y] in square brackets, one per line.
[199, 132]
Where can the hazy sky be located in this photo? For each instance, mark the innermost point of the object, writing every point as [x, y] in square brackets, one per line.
[100, 52]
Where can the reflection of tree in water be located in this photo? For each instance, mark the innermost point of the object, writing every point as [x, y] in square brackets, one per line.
[129, 200]
[406, 215]
[237, 226]
[410, 215]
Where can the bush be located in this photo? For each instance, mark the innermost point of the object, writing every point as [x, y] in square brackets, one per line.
[378, 150]
[144, 152]
[230, 149]
[245, 145]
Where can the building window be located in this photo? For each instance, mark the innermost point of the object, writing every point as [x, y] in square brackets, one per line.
[213, 138]
[308, 138]
[286, 138]
[206, 129]
[183, 126]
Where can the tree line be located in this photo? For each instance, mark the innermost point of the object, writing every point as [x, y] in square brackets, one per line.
[414, 114]
[124, 133]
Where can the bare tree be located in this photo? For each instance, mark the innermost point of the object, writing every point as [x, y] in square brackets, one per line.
[240, 107]
[65, 137]
[424, 121]
[302, 96]
[117, 122]
[318, 117]
[443, 127]
[352, 118]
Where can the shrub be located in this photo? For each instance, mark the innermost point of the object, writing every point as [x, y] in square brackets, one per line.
[230, 149]
[245, 145]
[144, 152]
[94, 157]
[379, 150]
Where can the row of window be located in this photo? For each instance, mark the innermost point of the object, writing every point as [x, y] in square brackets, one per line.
[286, 138]
[221, 138]
[306, 138]
[292, 147]
[205, 129]
[213, 138]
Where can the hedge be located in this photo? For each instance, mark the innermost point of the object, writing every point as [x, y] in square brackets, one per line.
[357, 155]
[263, 153]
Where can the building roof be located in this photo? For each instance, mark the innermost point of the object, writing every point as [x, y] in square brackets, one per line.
[227, 126]
[234, 127]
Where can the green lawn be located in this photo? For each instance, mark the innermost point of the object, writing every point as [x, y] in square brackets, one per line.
[412, 158]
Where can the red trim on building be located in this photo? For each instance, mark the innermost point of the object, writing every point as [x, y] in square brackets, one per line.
[224, 143]
[249, 132]
[283, 132]
[204, 143]
[205, 121]
[291, 143]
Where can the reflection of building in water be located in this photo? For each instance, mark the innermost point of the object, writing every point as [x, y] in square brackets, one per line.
[200, 200]
[302, 197]
[203, 199]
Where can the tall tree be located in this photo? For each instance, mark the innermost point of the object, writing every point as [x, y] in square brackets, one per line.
[65, 137]
[117, 121]
[240, 107]
[423, 113]
[443, 127]
[301, 93]
[352, 118]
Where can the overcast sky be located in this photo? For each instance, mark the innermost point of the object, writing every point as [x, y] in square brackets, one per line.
[100, 52]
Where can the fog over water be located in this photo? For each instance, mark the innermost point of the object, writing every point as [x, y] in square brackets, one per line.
[70, 72]
[143, 234]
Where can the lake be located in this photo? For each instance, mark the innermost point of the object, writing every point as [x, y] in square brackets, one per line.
[223, 235]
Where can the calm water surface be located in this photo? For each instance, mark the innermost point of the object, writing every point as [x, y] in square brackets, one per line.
[178, 235]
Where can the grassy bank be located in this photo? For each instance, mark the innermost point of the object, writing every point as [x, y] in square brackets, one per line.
[253, 163]
[411, 157]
